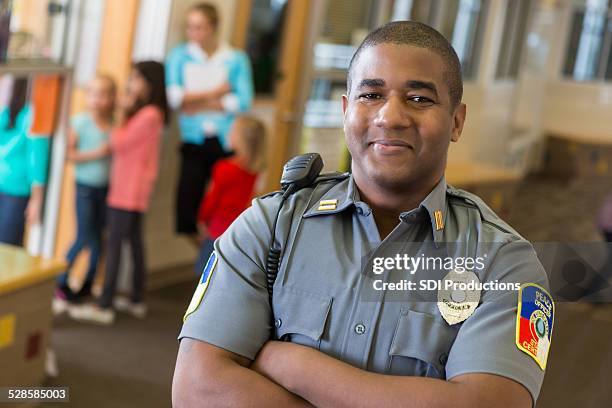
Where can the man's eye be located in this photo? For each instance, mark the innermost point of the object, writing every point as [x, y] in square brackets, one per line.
[369, 96]
[421, 100]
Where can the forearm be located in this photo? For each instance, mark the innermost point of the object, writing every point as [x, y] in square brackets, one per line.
[353, 387]
[34, 207]
[197, 106]
[194, 99]
[80, 157]
[210, 100]
[37, 192]
[221, 382]
[325, 381]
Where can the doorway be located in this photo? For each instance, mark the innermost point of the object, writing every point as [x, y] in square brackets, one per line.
[277, 35]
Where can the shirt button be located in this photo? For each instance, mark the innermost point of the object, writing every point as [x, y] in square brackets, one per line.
[360, 328]
[443, 358]
[278, 323]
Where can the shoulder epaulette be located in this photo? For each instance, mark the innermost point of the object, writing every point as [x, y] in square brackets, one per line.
[486, 213]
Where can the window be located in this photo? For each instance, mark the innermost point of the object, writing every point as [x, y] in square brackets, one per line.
[264, 43]
[515, 31]
[460, 21]
[589, 55]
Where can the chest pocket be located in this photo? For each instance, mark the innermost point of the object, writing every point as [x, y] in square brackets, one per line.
[420, 345]
[300, 316]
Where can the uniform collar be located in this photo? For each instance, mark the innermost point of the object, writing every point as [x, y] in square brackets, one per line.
[436, 207]
[345, 194]
[337, 199]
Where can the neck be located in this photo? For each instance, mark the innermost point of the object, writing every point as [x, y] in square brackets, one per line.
[209, 46]
[101, 117]
[388, 203]
[241, 161]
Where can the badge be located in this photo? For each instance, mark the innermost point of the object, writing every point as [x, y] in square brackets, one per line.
[439, 220]
[202, 286]
[327, 205]
[458, 296]
[534, 322]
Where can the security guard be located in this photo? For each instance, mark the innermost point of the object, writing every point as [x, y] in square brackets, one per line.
[347, 336]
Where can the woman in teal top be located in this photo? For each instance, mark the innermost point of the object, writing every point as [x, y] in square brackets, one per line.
[23, 166]
[208, 83]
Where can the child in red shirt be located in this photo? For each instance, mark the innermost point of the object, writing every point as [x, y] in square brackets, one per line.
[232, 183]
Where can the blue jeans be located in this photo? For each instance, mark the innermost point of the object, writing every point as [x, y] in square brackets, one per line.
[12, 218]
[91, 217]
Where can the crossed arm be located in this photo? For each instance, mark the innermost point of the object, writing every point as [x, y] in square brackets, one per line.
[209, 100]
[209, 376]
[290, 375]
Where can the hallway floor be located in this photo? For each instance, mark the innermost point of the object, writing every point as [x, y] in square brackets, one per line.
[129, 364]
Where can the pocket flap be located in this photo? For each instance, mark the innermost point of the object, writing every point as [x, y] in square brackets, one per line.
[300, 312]
[419, 335]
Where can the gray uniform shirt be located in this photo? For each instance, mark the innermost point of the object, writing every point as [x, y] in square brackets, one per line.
[324, 297]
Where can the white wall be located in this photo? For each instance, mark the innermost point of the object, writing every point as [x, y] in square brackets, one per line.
[151, 30]
[581, 109]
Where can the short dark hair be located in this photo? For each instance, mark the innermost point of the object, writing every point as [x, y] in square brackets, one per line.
[209, 11]
[422, 36]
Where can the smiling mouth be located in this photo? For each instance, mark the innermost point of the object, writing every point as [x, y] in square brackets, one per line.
[390, 146]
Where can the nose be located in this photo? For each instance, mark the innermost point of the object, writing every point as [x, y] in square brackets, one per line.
[393, 114]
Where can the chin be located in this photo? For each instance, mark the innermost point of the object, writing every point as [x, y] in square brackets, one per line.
[392, 178]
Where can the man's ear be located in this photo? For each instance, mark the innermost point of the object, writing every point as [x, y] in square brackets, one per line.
[458, 121]
[344, 104]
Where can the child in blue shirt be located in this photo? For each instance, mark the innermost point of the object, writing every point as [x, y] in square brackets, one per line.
[89, 150]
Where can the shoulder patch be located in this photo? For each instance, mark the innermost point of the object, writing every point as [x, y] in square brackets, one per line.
[534, 322]
[211, 264]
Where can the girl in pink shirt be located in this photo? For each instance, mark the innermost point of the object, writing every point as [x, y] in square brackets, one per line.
[135, 148]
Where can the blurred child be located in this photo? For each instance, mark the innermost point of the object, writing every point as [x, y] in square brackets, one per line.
[605, 228]
[135, 148]
[232, 184]
[89, 150]
[23, 164]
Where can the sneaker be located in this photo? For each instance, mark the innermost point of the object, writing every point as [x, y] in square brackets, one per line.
[92, 313]
[123, 304]
[58, 306]
[65, 293]
[61, 300]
